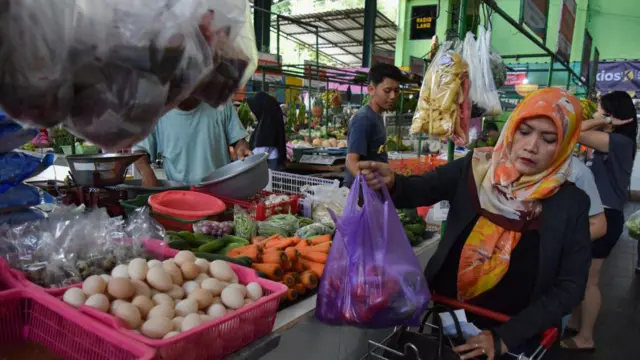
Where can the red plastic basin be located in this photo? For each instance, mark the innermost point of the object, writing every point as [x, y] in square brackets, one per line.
[187, 205]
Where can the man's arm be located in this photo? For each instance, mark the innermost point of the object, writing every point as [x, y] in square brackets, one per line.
[236, 134]
[148, 147]
[583, 178]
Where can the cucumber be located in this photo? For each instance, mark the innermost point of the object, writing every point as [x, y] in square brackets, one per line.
[229, 239]
[212, 246]
[188, 236]
[241, 260]
[179, 244]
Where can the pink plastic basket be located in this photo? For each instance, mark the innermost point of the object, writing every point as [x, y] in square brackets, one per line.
[33, 316]
[16, 279]
[218, 338]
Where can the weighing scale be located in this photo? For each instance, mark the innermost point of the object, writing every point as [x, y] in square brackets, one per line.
[326, 157]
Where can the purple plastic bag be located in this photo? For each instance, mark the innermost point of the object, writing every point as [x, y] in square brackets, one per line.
[372, 278]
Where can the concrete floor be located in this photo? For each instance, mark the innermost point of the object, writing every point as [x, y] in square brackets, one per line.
[618, 326]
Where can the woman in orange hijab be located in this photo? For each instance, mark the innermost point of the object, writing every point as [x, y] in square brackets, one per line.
[517, 239]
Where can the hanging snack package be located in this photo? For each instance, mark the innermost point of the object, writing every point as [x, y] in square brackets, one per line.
[372, 278]
[438, 110]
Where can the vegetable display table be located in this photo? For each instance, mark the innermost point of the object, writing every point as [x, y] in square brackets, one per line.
[303, 335]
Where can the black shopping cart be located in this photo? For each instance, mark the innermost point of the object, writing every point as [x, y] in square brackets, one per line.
[387, 349]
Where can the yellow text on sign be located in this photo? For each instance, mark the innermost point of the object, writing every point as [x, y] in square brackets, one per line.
[424, 22]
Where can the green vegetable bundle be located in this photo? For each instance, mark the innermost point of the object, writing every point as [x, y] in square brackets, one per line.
[244, 225]
[285, 225]
[633, 225]
[313, 230]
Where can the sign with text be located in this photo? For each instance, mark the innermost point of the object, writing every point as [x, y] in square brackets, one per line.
[423, 22]
[585, 65]
[618, 76]
[567, 24]
[534, 15]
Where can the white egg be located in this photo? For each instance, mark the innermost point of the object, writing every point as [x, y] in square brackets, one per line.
[177, 323]
[204, 318]
[157, 327]
[241, 288]
[201, 277]
[137, 269]
[120, 271]
[74, 297]
[176, 292]
[190, 321]
[98, 301]
[94, 284]
[174, 271]
[234, 279]
[220, 270]
[114, 304]
[189, 286]
[162, 298]
[171, 334]
[154, 263]
[159, 279]
[232, 298]
[254, 291]
[106, 278]
[203, 264]
[183, 257]
[161, 311]
[216, 311]
[186, 307]
[129, 314]
[214, 285]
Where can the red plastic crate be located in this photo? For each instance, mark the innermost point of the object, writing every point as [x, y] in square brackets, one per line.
[214, 339]
[33, 316]
[257, 209]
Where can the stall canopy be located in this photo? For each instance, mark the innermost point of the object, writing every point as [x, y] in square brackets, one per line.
[341, 33]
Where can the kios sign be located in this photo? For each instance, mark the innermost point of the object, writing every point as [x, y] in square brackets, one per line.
[618, 75]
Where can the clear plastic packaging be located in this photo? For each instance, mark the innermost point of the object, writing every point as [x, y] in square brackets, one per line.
[109, 70]
[487, 96]
[633, 225]
[245, 226]
[438, 109]
[324, 198]
[213, 228]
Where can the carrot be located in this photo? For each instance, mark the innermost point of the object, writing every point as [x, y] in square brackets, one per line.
[320, 239]
[274, 257]
[300, 288]
[297, 266]
[273, 271]
[309, 279]
[289, 280]
[318, 257]
[316, 268]
[257, 239]
[252, 253]
[292, 253]
[324, 247]
[287, 265]
[279, 244]
[302, 244]
[291, 295]
[296, 240]
[241, 250]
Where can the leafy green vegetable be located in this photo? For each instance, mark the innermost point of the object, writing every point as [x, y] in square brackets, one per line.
[313, 230]
[283, 224]
[245, 226]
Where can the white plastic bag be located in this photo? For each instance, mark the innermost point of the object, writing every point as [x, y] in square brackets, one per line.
[321, 198]
[487, 97]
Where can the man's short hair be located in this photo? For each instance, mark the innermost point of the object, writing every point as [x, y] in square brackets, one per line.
[381, 71]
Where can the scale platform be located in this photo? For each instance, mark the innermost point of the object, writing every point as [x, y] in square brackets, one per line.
[320, 159]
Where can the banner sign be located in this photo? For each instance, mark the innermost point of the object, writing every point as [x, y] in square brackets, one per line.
[585, 65]
[567, 24]
[534, 14]
[618, 75]
[423, 22]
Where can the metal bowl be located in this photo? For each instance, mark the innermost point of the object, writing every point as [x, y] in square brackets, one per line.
[239, 179]
[100, 170]
[134, 187]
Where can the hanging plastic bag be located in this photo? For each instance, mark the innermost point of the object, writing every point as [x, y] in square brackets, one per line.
[633, 225]
[20, 196]
[16, 167]
[372, 278]
[487, 96]
[438, 110]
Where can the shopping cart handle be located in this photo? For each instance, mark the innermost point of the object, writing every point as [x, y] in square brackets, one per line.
[549, 337]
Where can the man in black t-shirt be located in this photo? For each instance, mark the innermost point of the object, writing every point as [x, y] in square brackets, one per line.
[366, 134]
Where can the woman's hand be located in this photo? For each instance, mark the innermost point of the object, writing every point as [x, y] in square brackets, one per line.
[480, 345]
[370, 168]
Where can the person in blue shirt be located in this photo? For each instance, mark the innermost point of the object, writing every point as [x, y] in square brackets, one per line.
[366, 134]
[194, 139]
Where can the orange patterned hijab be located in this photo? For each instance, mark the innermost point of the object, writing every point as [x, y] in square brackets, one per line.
[503, 191]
